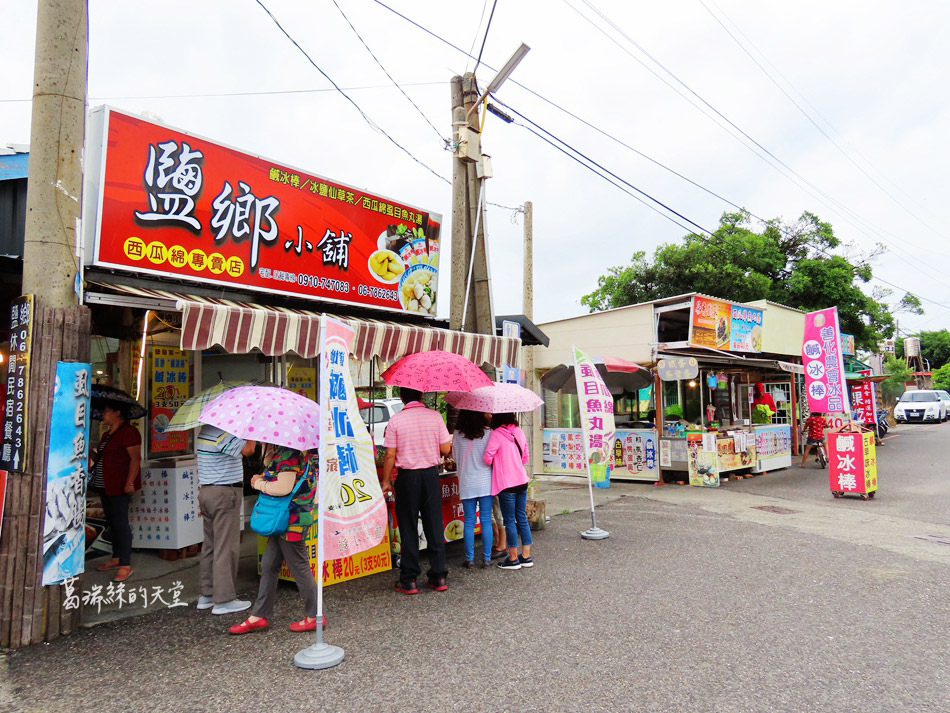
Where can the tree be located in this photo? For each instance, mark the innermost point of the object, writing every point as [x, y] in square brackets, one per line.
[789, 264]
[934, 347]
[941, 378]
[898, 374]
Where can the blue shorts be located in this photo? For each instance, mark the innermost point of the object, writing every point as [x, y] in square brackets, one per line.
[813, 441]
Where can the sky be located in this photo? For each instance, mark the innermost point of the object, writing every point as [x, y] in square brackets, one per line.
[848, 98]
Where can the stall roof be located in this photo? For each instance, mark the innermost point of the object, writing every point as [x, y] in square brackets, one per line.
[531, 334]
[713, 356]
[241, 327]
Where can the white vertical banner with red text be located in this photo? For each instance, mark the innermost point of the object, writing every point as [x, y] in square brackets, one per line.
[596, 407]
[352, 513]
[825, 385]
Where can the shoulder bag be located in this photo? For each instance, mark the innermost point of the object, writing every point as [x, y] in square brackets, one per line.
[271, 514]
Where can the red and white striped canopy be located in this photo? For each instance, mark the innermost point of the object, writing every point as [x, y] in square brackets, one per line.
[240, 327]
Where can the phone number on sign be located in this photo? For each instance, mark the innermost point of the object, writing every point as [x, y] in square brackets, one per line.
[378, 293]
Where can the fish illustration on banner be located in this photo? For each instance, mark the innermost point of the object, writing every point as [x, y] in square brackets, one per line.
[353, 514]
[64, 532]
[596, 407]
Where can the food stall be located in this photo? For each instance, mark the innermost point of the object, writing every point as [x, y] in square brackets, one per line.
[707, 353]
[205, 264]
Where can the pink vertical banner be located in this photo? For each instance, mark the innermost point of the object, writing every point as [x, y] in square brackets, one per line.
[862, 398]
[825, 384]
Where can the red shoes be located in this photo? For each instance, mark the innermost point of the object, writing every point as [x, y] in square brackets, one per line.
[307, 624]
[248, 625]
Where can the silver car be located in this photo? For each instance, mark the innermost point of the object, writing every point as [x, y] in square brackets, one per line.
[920, 406]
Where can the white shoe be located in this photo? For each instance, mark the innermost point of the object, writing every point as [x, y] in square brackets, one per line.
[231, 607]
[205, 601]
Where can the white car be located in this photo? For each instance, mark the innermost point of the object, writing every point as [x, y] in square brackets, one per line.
[945, 397]
[920, 406]
[378, 416]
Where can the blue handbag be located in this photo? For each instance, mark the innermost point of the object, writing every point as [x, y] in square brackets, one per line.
[271, 514]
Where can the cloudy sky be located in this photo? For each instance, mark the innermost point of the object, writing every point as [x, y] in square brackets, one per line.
[839, 108]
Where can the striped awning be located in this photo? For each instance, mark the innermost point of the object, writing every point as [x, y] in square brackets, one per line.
[240, 327]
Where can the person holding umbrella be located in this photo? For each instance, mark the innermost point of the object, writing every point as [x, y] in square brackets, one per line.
[416, 439]
[116, 472]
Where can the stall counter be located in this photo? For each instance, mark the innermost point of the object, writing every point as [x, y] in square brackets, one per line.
[773, 447]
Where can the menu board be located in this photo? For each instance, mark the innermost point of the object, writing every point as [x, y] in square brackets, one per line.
[725, 325]
[562, 452]
[303, 380]
[170, 383]
[164, 514]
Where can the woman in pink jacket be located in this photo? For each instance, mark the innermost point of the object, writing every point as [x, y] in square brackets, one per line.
[507, 454]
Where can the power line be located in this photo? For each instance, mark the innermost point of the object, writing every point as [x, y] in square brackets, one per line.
[829, 202]
[513, 81]
[801, 109]
[373, 125]
[485, 37]
[205, 95]
[477, 30]
[395, 83]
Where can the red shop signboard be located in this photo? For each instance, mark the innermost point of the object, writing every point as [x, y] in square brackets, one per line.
[172, 204]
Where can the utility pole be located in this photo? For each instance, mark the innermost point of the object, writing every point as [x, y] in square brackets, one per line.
[527, 307]
[30, 612]
[471, 302]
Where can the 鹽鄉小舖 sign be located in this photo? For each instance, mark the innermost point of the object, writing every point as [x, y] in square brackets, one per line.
[175, 205]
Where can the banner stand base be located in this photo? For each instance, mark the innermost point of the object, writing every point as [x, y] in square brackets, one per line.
[595, 533]
[319, 656]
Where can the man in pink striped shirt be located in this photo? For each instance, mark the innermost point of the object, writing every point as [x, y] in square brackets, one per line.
[416, 439]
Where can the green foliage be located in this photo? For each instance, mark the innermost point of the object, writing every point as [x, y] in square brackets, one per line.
[788, 264]
[941, 378]
[898, 373]
[673, 411]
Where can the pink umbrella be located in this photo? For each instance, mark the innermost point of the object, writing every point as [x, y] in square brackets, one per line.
[436, 371]
[497, 398]
[268, 414]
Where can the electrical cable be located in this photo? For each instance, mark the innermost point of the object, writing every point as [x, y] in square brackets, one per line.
[395, 83]
[485, 36]
[477, 30]
[366, 118]
[515, 82]
[831, 203]
[805, 113]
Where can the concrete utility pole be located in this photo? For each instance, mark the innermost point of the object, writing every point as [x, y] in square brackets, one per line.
[527, 307]
[29, 611]
[470, 307]
[54, 188]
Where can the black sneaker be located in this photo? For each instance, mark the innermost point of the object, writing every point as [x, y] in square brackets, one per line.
[438, 584]
[526, 561]
[509, 564]
[406, 587]
[485, 565]
[469, 564]
[498, 554]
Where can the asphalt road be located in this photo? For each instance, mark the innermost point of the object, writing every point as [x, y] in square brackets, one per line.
[699, 601]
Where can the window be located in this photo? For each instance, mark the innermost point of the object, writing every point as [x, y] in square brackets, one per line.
[379, 414]
[920, 396]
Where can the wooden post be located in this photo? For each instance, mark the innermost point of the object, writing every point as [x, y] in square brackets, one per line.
[29, 612]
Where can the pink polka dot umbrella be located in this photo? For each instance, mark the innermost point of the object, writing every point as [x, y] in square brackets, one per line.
[497, 398]
[268, 414]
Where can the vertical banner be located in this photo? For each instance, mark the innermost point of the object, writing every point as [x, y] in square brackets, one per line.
[353, 513]
[596, 407]
[15, 436]
[824, 364]
[64, 535]
[862, 398]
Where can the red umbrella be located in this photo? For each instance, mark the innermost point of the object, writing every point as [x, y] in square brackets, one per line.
[436, 371]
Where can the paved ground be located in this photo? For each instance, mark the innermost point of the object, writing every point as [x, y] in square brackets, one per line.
[699, 601]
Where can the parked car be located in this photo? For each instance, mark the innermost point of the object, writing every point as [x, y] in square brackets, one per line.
[920, 405]
[378, 416]
[945, 397]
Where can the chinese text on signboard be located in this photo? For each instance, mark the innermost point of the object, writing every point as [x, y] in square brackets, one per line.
[176, 205]
[15, 434]
[824, 364]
